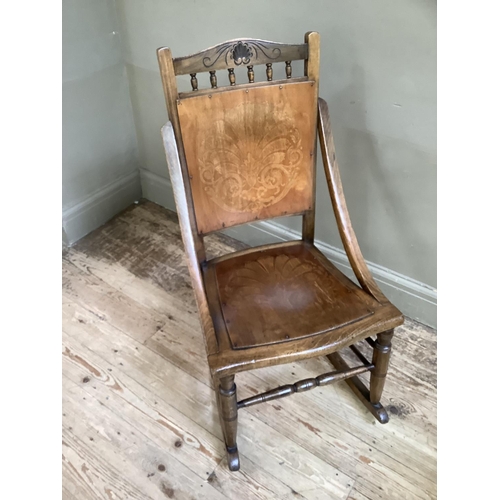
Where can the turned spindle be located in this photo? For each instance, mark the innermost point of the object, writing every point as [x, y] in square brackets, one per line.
[194, 81]
[213, 79]
[269, 71]
[251, 74]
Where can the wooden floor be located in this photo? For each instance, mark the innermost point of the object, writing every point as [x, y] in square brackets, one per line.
[139, 412]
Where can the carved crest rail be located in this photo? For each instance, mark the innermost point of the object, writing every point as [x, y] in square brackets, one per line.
[241, 51]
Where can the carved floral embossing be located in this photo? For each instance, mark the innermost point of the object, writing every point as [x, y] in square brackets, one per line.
[241, 52]
[248, 168]
[281, 282]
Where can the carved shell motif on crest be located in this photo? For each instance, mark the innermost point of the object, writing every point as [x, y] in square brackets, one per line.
[245, 168]
[241, 53]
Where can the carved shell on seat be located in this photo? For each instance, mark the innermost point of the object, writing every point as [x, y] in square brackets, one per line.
[246, 169]
[281, 282]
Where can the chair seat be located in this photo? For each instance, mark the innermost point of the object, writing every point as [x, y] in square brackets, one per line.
[281, 294]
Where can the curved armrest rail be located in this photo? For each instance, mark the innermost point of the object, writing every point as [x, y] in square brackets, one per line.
[347, 235]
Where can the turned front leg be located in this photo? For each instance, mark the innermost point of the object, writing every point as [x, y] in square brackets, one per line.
[228, 411]
[381, 355]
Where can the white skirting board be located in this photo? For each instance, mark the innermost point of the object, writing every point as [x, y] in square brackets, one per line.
[415, 299]
[100, 206]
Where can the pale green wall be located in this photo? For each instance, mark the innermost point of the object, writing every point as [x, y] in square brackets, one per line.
[378, 75]
[100, 159]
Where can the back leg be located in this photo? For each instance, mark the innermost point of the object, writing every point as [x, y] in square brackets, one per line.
[381, 356]
[359, 389]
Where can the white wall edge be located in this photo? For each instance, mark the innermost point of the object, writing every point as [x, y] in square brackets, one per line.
[415, 299]
[97, 208]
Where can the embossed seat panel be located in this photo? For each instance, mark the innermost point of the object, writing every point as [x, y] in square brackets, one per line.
[285, 293]
[249, 152]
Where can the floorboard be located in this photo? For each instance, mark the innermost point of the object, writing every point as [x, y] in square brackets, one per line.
[139, 411]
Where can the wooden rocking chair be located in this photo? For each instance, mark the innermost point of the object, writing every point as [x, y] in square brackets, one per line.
[246, 152]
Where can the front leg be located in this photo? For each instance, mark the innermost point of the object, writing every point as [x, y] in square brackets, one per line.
[228, 413]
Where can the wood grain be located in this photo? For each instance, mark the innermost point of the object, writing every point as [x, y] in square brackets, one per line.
[311, 71]
[137, 261]
[129, 384]
[241, 86]
[249, 153]
[237, 52]
[283, 294]
[190, 239]
[344, 224]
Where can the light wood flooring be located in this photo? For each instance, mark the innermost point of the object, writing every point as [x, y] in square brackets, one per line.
[139, 412]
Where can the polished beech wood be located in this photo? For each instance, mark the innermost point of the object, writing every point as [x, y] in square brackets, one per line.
[240, 86]
[381, 356]
[190, 237]
[269, 72]
[251, 74]
[284, 294]
[304, 385]
[230, 359]
[228, 412]
[311, 71]
[175, 145]
[247, 152]
[238, 52]
[250, 153]
[194, 81]
[346, 230]
[213, 79]
[232, 77]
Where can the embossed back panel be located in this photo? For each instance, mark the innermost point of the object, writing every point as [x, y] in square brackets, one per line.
[249, 152]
